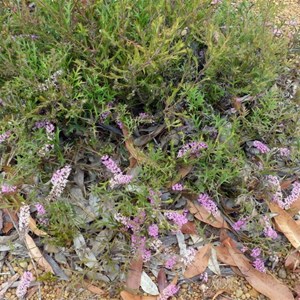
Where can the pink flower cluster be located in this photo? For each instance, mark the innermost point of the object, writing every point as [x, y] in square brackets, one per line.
[191, 148]
[41, 212]
[4, 136]
[168, 292]
[119, 178]
[277, 195]
[49, 127]
[261, 147]
[153, 230]
[59, 180]
[178, 219]
[24, 218]
[203, 277]
[189, 256]
[258, 263]
[154, 197]
[7, 189]
[170, 262]
[177, 187]
[24, 284]
[205, 201]
[285, 152]
[295, 194]
[269, 232]
[240, 224]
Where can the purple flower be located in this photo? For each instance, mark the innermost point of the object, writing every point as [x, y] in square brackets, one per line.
[261, 147]
[276, 189]
[168, 292]
[191, 148]
[40, 209]
[24, 284]
[4, 136]
[7, 189]
[189, 256]
[240, 224]
[205, 201]
[153, 230]
[177, 187]
[259, 265]
[177, 218]
[295, 195]
[170, 262]
[119, 178]
[146, 255]
[255, 252]
[269, 232]
[59, 181]
[111, 165]
[203, 277]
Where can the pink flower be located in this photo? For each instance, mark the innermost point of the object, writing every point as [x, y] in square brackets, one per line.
[191, 148]
[285, 152]
[295, 194]
[269, 232]
[240, 224]
[40, 209]
[24, 218]
[177, 187]
[259, 265]
[153, 230]
[7, 189]
[255, 252]
[59, 181]
[261, 147]
[204, 277]
[119, 178]
[189, 256]
[24, 284]
[170, 262]
[177, 218]
[168, 292]
[111, 165]
[276, 190]
[4, 136]
[205, 201]
[146, 255]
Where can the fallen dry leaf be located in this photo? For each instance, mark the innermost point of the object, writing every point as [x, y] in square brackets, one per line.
[5, 286]
[203, 215]
[262, 282]
[224, 256]
[133, 280]
[137, 156]
[92, 288]
[292, 261]
[295, 207]
[189, 228]
[7, 226]
[162, 280]
[218, 293]
[34, 229]
[36, 254]
[181, 173]
[128, 296]
[199, 263]
[286, 225]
